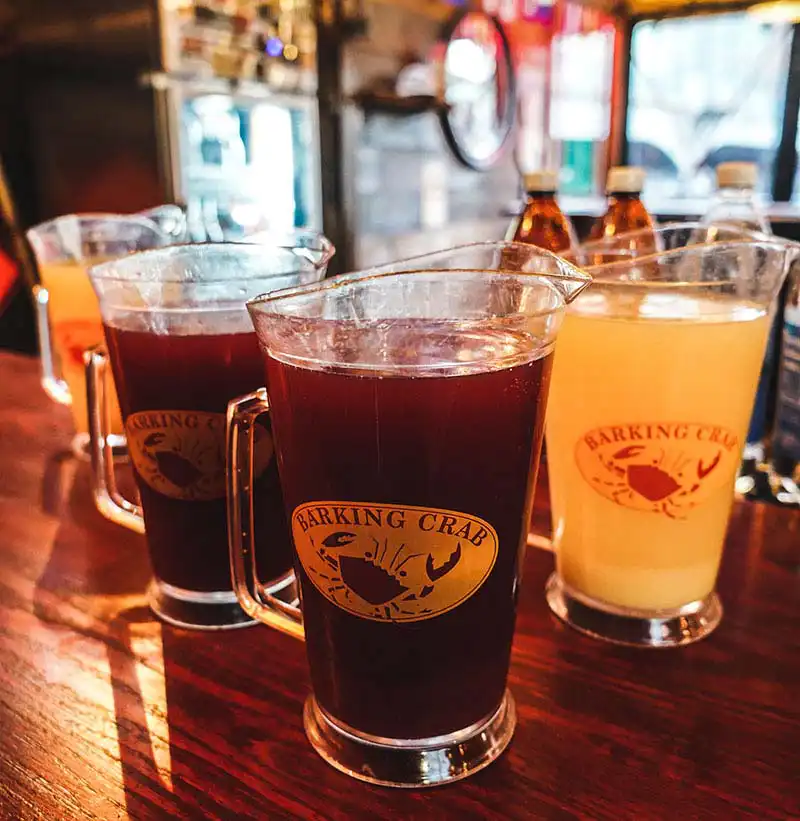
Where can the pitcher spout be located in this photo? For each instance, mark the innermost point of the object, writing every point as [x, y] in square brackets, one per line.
[431, 313]
[494, 256]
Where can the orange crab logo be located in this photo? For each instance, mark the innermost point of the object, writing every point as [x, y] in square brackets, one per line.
[659, 467]
[393, 562]
[181, 454]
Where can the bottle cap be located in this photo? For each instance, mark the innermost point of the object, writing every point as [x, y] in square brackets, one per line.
[737, 175]
[625, 179]
[543, 180]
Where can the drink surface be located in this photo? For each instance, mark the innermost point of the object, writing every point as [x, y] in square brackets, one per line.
[75, 326]
[174, 391]
[649, 406]
[543, 224]
[394, 648]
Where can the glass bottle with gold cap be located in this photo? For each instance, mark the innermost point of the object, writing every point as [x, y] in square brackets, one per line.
[735, 202]
[626, 211]
[542, 223]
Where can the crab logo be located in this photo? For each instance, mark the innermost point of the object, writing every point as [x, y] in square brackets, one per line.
[181, 454]
[659, 467]
[393, 562]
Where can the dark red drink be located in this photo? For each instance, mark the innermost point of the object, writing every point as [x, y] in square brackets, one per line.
[409, 496]
[174, 390]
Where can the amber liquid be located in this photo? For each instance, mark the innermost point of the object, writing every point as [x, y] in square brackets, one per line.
[464, 442]
[626, 212]
[188, 539]
[543, 224]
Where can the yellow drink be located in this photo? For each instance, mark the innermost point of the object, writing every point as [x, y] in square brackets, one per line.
[74, 326]
[650, 400]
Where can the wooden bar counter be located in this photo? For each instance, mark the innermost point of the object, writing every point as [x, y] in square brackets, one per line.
[107, 714]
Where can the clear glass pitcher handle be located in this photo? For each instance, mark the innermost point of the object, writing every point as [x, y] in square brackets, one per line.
[55, 387]
[171, 219]
[109, 501]
[535, 537]
[542, 542]
[256, 599]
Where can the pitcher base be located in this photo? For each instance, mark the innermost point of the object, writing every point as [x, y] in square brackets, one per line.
[196, 611]
[424, 762]
[687, 624]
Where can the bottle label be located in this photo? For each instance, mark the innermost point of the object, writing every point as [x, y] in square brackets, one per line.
[786, 436]
[393, 563]
[659, 467]
[181, 454]
[758, 421]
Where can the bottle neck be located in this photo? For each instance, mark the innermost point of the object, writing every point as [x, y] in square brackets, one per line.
[736, 194]
[541, 195]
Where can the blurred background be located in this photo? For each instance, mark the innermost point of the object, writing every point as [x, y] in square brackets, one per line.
[396, 126]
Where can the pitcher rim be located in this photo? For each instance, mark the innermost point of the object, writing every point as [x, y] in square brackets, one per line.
[327, 249]
[105, 271]
[97, 215]
[600, 273]
[377, 272]
[753, 236]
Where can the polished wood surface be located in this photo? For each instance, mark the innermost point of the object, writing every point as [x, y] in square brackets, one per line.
[107, 714]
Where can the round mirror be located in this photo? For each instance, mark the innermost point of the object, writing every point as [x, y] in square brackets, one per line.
[478, 88]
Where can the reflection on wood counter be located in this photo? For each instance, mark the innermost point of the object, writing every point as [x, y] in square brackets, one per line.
[106, 713]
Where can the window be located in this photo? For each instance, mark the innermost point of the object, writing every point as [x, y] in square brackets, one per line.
[705, 90]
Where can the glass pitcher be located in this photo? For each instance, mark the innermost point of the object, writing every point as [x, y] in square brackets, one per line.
[651, 396]
[68, 318]
[181, 345]
[667, 237]
[407, 404]
[670, 237]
